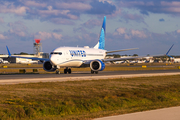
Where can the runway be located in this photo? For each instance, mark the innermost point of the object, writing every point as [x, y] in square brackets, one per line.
[75, 76]
[171, 113]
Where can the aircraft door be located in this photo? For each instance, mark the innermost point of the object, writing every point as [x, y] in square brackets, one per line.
[67, 55]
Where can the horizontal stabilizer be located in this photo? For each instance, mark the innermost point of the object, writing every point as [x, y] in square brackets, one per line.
[121, 50]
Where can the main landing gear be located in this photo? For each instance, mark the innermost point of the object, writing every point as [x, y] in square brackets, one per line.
[92, 72]
[67, 70]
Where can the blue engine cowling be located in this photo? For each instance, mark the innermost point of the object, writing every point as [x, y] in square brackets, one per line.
[47, 66]
[97, 65]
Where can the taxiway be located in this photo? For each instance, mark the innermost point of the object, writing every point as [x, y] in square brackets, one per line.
[31, 78]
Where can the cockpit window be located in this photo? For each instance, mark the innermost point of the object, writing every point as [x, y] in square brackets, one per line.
[56, 53]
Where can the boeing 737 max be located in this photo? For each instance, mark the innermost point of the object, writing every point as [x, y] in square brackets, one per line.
[68, 57]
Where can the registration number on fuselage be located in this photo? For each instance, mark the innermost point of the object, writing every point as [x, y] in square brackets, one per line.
[77, 53]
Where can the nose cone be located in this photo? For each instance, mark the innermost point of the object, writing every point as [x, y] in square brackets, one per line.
[53, 60]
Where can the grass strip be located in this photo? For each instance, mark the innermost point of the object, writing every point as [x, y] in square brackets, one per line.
[88, 99]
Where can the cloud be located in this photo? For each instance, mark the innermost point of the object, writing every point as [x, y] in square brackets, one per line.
[80, 30]
[161, 20]
[172, 3]
[120, 31]
[101, 8]
[138, 33]
[34, 3]
[2, 37]
[178, 31]
[153, 6]
[43, 35]
[73, 6]
[135, 17]
[19, 33]
[92, 23]
[172, 7]
[46, 35]
[1, 20]
[17, 28]
[62, 21]
[10, 8]
[128, 34]
[50, 12]
[57, 36]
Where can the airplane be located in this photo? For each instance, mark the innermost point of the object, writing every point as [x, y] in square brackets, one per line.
[26, 61]
[3, 61]
[76, 57]
[175, 60]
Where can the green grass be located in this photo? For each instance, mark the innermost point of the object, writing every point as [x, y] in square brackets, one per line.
[87, 99]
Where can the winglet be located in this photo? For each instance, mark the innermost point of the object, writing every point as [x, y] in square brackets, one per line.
[8, 51]
[169, 50]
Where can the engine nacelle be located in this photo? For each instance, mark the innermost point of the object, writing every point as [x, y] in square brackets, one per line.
[47, 66]
[97, 65]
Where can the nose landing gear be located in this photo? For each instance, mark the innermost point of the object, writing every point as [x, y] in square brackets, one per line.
[58, 72]
[92, 72]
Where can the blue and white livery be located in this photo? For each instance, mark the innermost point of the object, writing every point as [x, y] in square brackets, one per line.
[68, 57]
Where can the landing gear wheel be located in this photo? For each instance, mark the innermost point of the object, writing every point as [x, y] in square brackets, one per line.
[96, 72]
[65, 71]
[92, 72]
[69, 71]
[57, 72]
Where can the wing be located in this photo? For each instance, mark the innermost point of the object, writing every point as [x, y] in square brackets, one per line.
[130, 58]
[121, 50]
[138, 57]
[33, 58]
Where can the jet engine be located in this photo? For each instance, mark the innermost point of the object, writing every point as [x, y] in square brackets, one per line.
[47, 66]
[97, 65]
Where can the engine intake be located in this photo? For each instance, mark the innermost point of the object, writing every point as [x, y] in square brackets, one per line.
[47, 66]
[97, 65]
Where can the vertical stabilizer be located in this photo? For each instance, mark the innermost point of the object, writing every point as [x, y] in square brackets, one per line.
[101, 43]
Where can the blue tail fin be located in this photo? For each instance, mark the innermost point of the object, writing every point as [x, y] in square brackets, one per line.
[169, 50]
[8, 51]
[101, 43]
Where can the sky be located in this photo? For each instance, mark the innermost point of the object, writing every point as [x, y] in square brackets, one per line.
[150, 25]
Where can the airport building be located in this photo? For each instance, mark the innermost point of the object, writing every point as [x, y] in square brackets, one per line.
[22, 60]
[37, 53]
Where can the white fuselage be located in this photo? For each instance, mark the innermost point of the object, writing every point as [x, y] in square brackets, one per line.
[75, 56]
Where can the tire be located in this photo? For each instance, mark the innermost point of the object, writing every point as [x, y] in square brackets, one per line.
[65, 71]
[96, 72]
[57, 72]
[69, 71]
